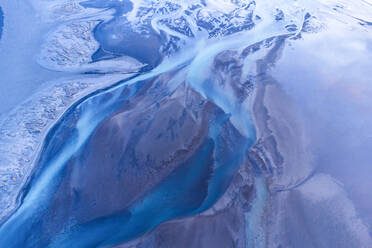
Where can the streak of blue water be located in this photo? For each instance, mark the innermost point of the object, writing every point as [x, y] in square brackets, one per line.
[1, 21]
[181, 194]
[74, 128]
[92, 112]
[191, 189]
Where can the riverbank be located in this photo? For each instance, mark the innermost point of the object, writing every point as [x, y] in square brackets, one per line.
[45, 88]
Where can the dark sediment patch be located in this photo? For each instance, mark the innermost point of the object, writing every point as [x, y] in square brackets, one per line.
[154, 158]
[144, 159]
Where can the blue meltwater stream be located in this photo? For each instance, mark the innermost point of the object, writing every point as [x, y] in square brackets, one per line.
[167, 143]
[1, 21]
[179, 195]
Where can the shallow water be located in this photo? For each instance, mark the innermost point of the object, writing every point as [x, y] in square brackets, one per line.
[69, 137]
[168, 138]
[117, 37]
[1, 21]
